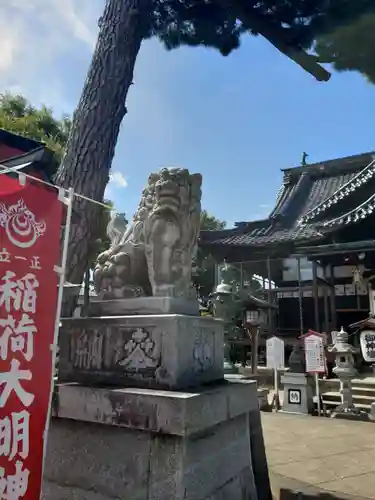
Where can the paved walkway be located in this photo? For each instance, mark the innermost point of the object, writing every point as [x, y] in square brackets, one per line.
[319, 457]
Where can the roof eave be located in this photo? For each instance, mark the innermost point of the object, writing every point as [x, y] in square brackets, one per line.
[42, 158]
[18, 141]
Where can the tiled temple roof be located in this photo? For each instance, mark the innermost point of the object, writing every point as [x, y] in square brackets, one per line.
[356, 214]
[345, 190]
[312, 201]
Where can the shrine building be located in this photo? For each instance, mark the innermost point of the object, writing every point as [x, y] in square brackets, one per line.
[315, 252]
[23, 155]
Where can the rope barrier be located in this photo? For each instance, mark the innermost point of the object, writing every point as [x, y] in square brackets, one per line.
[22, 176]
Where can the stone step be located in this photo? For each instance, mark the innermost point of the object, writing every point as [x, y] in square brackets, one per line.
[364, 391]
[360, 406]
[356, 387]
[357, 391]
[363, 385]
[361, 401]
[359, 397]
[368, 382]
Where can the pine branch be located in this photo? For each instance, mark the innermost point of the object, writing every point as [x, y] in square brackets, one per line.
[277, 37]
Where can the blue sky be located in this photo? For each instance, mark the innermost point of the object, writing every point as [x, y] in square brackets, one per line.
[237, 120]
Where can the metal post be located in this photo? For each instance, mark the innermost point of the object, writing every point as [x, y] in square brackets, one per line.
[276, 397]
[61, 271]
[317, 392]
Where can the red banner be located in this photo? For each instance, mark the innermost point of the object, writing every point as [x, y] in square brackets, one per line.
[30, 227]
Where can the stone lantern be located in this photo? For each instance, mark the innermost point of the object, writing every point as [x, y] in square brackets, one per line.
[345, 372]
[222, 301]
[256, 313]
[242, 313]
[224, 307]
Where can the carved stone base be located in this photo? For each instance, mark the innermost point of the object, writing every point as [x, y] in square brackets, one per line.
[167, 351]
[372, 412]
[157, 445]
[147, 305]
[298, 393]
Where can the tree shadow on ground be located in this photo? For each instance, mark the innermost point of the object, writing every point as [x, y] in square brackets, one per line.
[314, 494]
[289, 489]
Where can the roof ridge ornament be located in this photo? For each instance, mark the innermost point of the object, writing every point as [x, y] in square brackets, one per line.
[304, 157]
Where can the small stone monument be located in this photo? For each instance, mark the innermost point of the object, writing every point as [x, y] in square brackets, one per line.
[298, 394]
[150, 371]
[345, 372]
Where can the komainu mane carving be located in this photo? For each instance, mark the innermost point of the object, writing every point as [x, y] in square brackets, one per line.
[154, 255]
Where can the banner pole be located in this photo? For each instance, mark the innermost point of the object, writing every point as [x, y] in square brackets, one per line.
[317, 393]
[61, 270]
[276, 384]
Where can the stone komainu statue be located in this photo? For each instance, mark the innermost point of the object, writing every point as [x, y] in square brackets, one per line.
[154, 255]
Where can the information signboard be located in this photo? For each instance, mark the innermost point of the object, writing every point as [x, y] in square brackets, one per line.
[314, 352]
[367, 341]
[275, 353]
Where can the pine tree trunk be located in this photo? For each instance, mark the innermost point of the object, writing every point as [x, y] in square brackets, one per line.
[97, 119]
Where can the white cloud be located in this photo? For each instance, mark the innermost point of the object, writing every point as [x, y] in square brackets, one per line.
[35, 35]
[79, 25]
[47, 47]
[117, 179]
[263, 211]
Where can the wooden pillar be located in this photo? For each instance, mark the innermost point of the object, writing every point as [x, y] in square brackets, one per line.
[254, 349]
[269, 294]
[217, 278]
[315, 296]
[326, 306]
[332, 298]
[326, 310]
[300, 296]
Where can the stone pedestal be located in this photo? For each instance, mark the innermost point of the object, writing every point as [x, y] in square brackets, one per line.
[346, 410]
[163, 351]
[263, 393]
[147, 305]
[372, 412]
[144, 444]
[298, 393]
